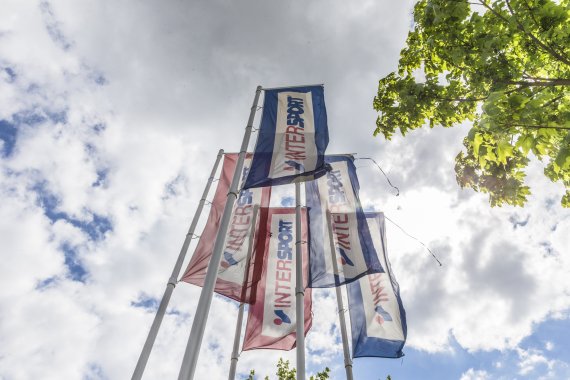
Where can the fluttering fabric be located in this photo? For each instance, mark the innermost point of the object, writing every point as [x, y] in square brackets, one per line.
[230, 281]
[337, 192]
[271, 322]
[293, 137]
[377, 315]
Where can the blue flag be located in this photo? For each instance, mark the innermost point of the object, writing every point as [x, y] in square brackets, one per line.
[377, 316]
[292, 138]
[337, 192]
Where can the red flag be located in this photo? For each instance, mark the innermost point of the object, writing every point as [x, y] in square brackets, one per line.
[271, 322]
[230, 282]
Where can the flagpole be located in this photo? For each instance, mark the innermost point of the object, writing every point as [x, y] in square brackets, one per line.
[147, 348]
[299, 287]
[190, 359]
[237, 336]
[343, 333]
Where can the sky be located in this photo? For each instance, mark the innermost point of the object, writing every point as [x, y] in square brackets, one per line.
[111, 116]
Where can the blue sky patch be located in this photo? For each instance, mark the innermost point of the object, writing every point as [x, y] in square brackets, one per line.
[101, 80]
[102, 175]
[549, 339]
[8, 135]
[76, 271]
[29, 117]
[517, 222]
[11, 74]
[146, 302]
[33, 117]
[95, 372]
[99, 127]
[44, 284]
[96, 228]
[53, 27]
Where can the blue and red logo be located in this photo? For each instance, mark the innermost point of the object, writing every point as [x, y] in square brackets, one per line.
[296, 165]
[344, 258]
[228, 260]
[382, 315]
[281, 317]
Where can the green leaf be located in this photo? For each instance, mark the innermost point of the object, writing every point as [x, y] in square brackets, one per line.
[504, 150]
[477, 141]
[525, 143]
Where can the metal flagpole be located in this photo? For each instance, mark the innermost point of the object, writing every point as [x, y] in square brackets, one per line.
[299, 287]
[199, 323]
[147, 348]
[235, 352]
[346, 349]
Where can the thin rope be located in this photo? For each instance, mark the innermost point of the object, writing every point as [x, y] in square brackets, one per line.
[387, 179]
[416, 239]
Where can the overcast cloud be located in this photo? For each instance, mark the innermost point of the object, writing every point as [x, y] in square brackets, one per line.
[111, 115]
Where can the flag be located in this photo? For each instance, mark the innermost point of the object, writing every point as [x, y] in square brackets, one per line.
[292, 137]
[271, 322]
[377, 316]
[337, 192]
[230, 282]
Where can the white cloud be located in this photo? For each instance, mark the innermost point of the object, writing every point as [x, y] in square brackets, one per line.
[150, 93]
[531, 359]
[472, 374]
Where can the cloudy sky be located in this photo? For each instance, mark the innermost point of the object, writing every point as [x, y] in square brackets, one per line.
[111, 115]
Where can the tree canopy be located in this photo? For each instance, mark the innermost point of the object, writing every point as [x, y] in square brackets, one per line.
[502, 66]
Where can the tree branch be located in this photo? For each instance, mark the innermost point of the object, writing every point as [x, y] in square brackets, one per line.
[538, 83]
[553, 100]
[548, 49]
[462, 100]
[530, 12]
[544, 79]
[534, 126]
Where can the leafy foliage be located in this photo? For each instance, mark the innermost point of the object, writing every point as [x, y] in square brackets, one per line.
[503, 65]
[286, 373]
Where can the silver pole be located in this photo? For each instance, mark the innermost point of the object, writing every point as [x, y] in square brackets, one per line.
[199, 323]
[147, 348]
[346, 349]
[237, 336]
[300, 289]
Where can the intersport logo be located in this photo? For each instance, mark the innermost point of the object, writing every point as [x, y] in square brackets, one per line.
[283, 273]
